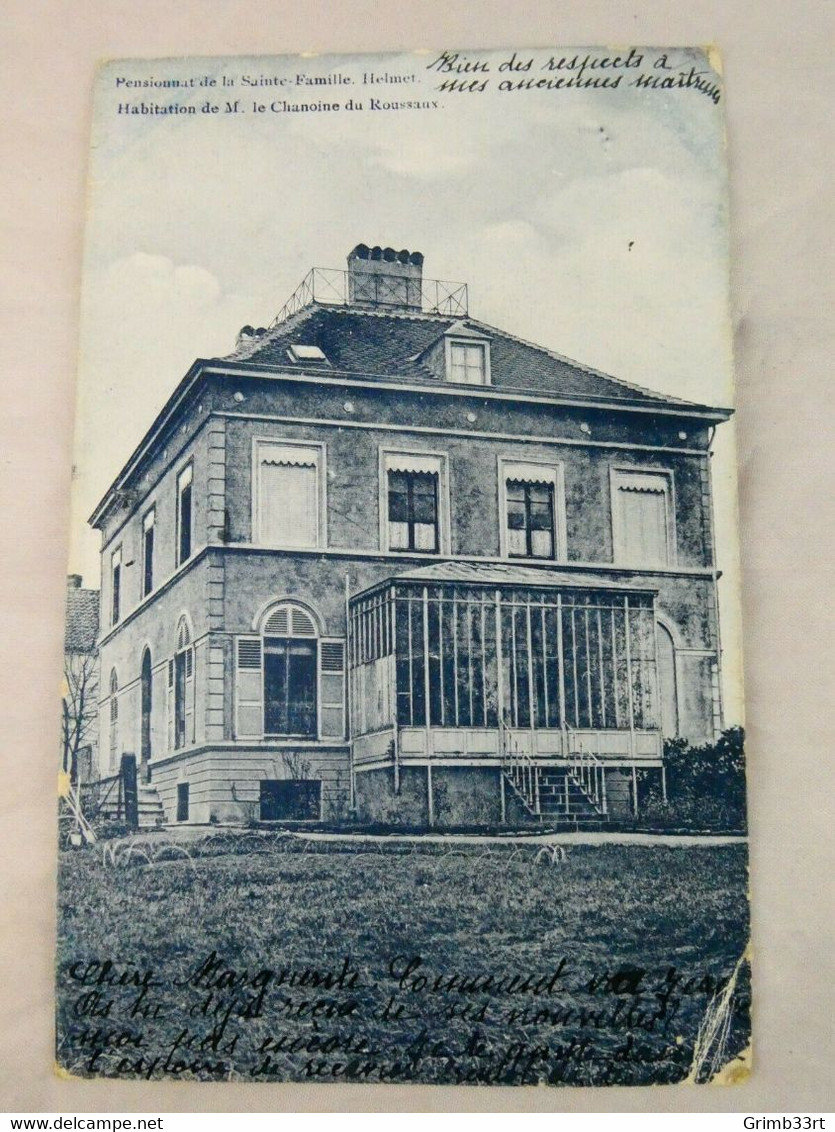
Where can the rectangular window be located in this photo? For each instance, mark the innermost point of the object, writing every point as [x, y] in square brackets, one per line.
[641, 518]
[289, 494]
[148, 552]
[414, 505]
[291, 799]
[530, 520]
[184, 513]
[413, 511]
[182, 801]
[115, 586]
[534, 511]
[468, 363]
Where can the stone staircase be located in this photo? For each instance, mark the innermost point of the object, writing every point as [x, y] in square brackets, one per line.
[151, 812]
[555, 794]
[573, 792]
[561, 795]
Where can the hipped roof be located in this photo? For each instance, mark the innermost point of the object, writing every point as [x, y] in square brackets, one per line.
[394, 345]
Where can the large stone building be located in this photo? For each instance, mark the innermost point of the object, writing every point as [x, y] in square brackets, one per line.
[389, 561]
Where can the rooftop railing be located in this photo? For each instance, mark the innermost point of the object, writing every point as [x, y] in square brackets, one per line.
[382, 291]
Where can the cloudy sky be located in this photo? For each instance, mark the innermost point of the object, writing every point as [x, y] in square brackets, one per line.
[591, 221]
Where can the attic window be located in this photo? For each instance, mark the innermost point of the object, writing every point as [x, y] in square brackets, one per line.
[306, 354]
[467, 356]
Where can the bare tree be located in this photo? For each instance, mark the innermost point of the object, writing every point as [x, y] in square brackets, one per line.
[79, 707]
[296, 765]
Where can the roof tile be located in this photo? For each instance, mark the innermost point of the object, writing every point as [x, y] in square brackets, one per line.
[388, 345]
[82, 620]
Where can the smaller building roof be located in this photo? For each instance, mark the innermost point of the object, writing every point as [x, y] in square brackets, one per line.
[82, 617]
[509, 574]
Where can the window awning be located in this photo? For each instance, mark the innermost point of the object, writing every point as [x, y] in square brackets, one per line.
[289, 456]
[642, 482]
[411, 462]
[529, 473]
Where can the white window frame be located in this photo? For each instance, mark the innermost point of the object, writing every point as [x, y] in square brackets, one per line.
[259, 443]
[306, 352]
[116, 609]
[149, 522]
[462, 340]
[387, 459]
[552, 472]
[186, 470]
[663, 474]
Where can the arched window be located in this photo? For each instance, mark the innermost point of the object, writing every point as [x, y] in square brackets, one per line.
[290, 672]
[667, 681]
[181, 689]
[289, 678]
[114, 719]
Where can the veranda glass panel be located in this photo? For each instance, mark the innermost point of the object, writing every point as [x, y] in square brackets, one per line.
[607, 680]
[644, 679]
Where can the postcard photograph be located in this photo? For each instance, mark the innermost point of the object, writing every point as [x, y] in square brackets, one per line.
[402, 733]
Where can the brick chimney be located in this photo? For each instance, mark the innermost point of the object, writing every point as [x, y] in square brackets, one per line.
[383, 277]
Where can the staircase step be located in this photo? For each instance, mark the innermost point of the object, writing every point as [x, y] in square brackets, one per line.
[560, 796]
[150, 810]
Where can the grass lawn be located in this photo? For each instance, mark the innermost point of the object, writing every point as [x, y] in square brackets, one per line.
[471, 966]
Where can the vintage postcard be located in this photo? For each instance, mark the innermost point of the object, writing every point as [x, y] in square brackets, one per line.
[402, 734]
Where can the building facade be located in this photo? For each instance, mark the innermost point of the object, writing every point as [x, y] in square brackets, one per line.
[389, 562]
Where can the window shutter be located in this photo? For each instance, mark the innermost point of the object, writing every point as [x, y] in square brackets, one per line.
[278, 625]
[249, 708]
[302, 623]
[642, 504]
[169, 705]
[189, 705]
[289, 496]
[332, 688]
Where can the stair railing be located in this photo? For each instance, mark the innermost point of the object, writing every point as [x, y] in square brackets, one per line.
[586, 770]
[100, 793]
[520, 769]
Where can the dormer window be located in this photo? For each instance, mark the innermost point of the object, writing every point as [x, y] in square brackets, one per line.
[466, 355]
[468, 363]
[306, 354]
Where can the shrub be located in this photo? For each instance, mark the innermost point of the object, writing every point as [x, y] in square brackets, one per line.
[705, 784]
